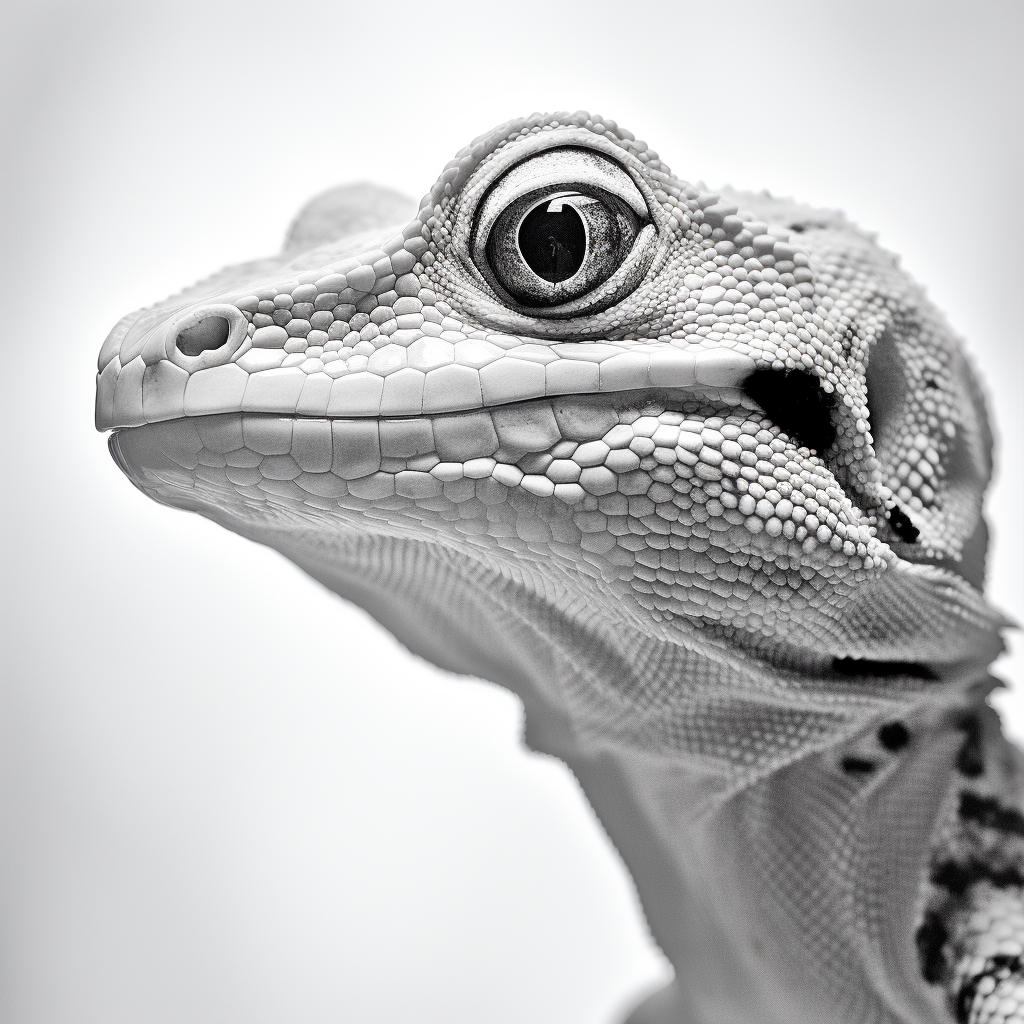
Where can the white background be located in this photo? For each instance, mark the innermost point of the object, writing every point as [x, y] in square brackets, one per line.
[226, 795]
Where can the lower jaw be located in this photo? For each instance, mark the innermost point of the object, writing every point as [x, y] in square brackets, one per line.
[637, 492]
[675, 510]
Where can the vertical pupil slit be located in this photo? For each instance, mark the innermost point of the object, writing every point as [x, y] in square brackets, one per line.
[553, 240]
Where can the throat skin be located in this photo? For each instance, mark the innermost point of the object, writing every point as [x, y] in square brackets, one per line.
[706, 840]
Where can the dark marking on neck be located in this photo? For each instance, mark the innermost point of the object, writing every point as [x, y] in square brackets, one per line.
[894, 736]
[857, 765]
[970, 759]
[990, 813]
[957, 877]
[854, 668]
[931, 937]
[900, 522]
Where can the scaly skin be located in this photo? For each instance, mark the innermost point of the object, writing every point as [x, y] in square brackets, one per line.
[714, 514]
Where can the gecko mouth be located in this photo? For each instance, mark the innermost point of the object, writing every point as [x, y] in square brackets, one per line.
[534, 418]
[707, 454]
[797, 404]
[199, 373]
[568, 445]
[790, 401]
[691, 501]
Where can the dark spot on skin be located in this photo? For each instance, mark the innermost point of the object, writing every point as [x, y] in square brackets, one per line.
[957, 878]
[990, 813]
[970, 760]
[797, 404]
[894, 736]
[930, 939]
[854, 667]
[857, 765]
[900, 522]
[999, 967]
[801, 226]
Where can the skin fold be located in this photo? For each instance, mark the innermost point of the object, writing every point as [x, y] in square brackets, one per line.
[699, 476]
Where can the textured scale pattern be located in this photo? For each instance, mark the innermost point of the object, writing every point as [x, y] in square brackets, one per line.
[717, 521]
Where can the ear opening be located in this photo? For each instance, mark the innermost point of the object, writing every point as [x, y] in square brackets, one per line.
[887, 388]
[941, 523]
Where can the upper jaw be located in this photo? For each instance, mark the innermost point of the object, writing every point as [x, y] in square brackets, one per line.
[451, 343]
[436, 360]
[149, 380]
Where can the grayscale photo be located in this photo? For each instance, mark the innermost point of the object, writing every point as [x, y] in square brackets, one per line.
[513, 514]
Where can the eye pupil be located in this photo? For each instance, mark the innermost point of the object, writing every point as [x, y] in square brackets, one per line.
[553, 240]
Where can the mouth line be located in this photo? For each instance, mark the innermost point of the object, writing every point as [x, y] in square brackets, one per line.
[673, 432]
[792, 400]
[721, 399]
[409, 382]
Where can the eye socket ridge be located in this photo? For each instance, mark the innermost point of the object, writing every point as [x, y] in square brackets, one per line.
[563, 233]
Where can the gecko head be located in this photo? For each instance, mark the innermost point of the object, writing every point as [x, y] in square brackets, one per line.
[720, 418]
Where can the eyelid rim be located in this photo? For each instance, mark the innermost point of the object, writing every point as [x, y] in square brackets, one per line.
[503, 160]
[485, 217]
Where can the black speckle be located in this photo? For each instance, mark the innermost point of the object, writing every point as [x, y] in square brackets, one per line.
[900, 522]
[929, 383]
[999, 967]
[796, 403]
[957, 878]
[864, 667]
[800, 226]
[857, 765]
[990, 813]
[930, 939]
[970, 760]
[894, 736]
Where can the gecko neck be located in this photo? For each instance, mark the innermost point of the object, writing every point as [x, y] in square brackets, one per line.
[751, 871]
[724, 874]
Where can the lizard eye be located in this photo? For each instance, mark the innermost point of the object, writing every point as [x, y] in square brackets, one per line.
[564, 233]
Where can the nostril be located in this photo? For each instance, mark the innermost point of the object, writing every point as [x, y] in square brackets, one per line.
[211, 332]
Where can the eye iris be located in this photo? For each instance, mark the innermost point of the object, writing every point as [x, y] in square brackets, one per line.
[553, 240]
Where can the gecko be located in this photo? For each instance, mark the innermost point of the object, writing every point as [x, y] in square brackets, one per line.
[698, 475]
